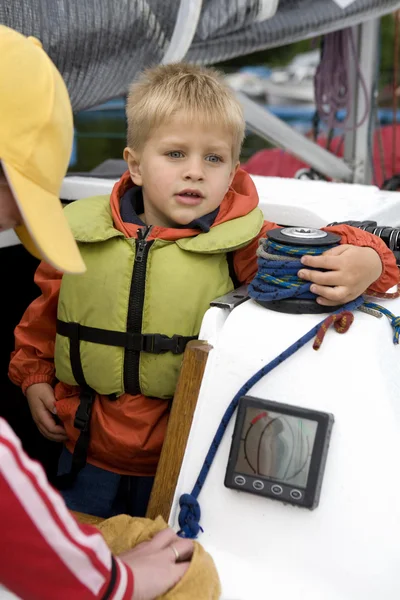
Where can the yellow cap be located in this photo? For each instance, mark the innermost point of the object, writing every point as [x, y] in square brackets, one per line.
[36, 133]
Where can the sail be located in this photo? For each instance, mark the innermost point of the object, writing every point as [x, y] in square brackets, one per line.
[100, 45]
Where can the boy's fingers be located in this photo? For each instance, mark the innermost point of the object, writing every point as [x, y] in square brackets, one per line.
[53, 430]
[47, 423]
[319, 277]
[48, 400]
[325, 261]
[51, 436]
[335, 295]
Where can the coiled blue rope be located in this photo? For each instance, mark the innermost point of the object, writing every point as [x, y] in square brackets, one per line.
[276, 279]
[278, 265]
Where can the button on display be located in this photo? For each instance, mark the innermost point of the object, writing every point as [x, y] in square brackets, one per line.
[296, 494]
[258, 485]
[240, 480]
[277, 490]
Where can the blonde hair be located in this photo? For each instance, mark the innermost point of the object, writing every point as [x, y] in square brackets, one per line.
[200, 92]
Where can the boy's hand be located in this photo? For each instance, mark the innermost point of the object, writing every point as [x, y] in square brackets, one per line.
[42, 403]
[155, 566]
[350, 270]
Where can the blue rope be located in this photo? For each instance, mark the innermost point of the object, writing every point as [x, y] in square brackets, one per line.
[276, 279]
[394, 321]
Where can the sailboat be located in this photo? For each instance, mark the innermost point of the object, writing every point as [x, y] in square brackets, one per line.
[269, 533]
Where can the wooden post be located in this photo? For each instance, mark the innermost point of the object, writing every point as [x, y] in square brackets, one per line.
[180, 421]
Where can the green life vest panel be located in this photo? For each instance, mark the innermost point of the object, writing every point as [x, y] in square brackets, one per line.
[176, 281]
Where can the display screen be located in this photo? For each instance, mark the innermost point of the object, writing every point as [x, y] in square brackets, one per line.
[276, 446]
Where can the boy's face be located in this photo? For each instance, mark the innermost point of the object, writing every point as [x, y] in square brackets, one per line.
[185, 171]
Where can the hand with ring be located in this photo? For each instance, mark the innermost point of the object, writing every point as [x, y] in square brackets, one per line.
[159, 564]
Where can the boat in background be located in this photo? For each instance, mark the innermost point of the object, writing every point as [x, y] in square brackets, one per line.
[291, 85]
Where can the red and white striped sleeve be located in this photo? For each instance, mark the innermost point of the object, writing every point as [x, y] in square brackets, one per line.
[44, 552]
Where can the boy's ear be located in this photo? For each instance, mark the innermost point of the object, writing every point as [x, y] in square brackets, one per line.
[233, 173]
[132, 158]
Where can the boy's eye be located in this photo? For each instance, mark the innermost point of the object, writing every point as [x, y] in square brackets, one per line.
[175, 154]
[213, 158]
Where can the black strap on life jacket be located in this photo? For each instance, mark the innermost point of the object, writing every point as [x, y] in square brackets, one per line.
[83, 413]
[232, 273]
[156, 343]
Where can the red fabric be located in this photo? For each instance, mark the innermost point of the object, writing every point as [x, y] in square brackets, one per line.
[45, 553]
[127, 434]
[279, 163]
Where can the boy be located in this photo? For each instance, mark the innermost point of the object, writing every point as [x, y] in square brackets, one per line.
[180, 225]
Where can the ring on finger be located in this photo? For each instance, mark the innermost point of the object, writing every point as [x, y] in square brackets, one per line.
[175, 551]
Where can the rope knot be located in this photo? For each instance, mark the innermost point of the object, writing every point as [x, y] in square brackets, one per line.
[396, 329]
[396, 322]
[341, 321]
[189, 517]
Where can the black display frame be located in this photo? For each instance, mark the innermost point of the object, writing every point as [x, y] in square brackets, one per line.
[310, 494]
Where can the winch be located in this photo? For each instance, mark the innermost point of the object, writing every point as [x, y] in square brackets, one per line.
[277, 285]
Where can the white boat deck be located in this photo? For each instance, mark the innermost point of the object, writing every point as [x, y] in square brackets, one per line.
[348, 547]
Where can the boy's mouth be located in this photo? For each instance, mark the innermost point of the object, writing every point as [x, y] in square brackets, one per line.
[190, 197]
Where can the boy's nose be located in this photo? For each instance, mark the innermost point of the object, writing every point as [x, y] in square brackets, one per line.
[194, 170]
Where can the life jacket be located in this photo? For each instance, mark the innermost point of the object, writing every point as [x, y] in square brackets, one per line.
[146, 298]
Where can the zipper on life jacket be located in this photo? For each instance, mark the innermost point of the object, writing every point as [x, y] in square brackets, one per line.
[135, 309]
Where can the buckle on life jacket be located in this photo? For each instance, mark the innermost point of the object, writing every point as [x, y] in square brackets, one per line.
[158, 343]
[84, 410]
